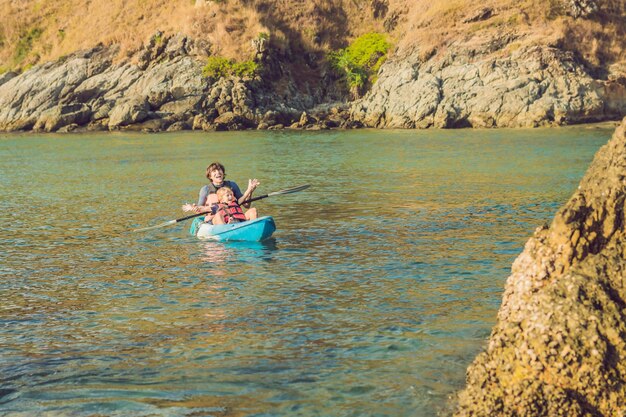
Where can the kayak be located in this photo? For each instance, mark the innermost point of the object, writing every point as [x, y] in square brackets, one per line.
[248, 231]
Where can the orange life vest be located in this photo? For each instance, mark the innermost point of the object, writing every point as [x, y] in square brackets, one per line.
[232, 213]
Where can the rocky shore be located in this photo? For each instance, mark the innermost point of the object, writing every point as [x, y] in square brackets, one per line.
[559, 346]
[473, 86]
[161, 87]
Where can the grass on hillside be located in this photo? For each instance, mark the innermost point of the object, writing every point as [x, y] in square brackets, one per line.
[35, 31]
[62, 27]
[598, 40]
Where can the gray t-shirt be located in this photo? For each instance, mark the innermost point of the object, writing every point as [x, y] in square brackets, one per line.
[206, 190]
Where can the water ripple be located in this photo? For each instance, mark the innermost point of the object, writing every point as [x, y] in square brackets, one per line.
[378, 288]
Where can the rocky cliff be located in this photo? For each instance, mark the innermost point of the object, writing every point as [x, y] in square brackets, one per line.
[163, 90]
[502, 65]
[559, 347]
[471, 86]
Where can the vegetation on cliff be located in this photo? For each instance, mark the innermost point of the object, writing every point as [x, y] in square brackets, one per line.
[228, 27]
[220, 67]
[360, 61]
[38, 31]
[452, 64]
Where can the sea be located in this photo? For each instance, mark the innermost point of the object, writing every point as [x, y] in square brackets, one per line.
[379, 287]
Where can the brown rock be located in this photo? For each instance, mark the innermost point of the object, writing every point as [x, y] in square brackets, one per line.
[128, 113]
[178, 126]
[379, 8]
[483, 13]
[232, 121]
[60, 116]
[568, 289]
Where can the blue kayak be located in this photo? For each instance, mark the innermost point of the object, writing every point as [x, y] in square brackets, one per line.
[248, 231]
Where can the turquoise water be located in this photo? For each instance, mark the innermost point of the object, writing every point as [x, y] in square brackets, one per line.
[380, 286]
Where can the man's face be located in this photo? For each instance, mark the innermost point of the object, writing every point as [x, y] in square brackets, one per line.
[216, 176]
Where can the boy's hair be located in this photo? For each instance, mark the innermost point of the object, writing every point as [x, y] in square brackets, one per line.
[222, 191]
[214, 166]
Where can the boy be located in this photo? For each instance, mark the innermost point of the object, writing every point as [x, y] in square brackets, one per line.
[229, 210]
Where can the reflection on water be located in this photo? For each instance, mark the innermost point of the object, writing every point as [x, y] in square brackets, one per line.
[219, 254]
[380, 285]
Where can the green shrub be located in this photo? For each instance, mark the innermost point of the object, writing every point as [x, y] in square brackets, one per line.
[361, 60]
[219, 67]
[245, 69]
[216, 67]
[25, 44]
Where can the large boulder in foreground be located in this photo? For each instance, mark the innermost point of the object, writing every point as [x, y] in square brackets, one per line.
[559, 346]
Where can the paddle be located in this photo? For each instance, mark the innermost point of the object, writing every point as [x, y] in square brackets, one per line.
[171, 222]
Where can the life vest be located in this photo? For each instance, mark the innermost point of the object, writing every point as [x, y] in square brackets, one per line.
[213, 189]
[232, 213]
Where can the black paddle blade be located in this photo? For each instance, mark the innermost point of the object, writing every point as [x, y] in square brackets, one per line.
[291, 190]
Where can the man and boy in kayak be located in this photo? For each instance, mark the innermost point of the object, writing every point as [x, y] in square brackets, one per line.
[222, 199]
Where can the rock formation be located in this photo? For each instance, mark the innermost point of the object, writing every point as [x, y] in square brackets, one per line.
[559, 346]
[163, 90]
[492, 70]
[581, 8]
[474, 86]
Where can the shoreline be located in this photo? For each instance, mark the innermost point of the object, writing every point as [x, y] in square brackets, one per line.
[90, 91]
[605, 125]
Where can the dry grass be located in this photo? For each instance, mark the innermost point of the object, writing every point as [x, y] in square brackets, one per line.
[600, 41]
[71, 25]
[436, 24]
[33, 31]
[431, 26]
[230, 25]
